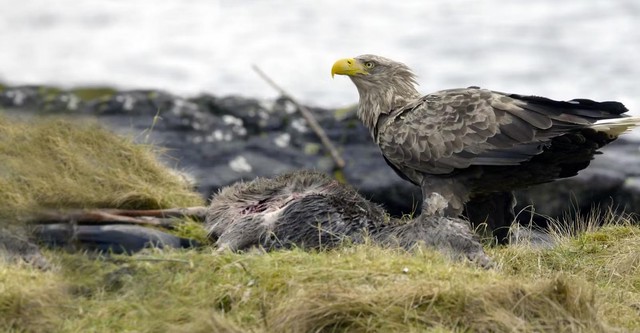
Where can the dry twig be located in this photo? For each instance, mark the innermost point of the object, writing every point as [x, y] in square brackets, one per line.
[157, 217]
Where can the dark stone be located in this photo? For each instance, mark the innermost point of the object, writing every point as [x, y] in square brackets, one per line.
[16, 246]
[111, 238]
[627, 198]
[592, 187]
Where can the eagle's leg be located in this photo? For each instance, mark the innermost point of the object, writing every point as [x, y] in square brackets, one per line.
[443, 196]
[495, 212]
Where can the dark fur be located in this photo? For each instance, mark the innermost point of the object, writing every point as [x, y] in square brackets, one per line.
[325, 217]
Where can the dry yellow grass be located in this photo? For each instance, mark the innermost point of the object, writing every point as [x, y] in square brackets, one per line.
[364, 288]
[53, 163]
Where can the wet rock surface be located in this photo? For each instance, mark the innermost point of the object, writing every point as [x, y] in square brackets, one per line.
[221, 140]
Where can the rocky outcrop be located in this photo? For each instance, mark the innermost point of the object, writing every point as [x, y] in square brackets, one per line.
[220, 140]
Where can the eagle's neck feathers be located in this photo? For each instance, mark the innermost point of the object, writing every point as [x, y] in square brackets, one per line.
[383, 96]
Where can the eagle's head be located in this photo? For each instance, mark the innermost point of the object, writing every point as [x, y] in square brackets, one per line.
[383, 84]
[373, 69]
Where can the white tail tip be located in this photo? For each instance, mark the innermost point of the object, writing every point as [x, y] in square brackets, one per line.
[615, 127]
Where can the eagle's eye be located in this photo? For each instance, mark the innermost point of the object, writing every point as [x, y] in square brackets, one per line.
[369, 64]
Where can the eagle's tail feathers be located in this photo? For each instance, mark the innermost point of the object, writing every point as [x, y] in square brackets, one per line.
[615, 127]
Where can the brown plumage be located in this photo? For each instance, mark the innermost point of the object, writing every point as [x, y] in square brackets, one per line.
[473, 143]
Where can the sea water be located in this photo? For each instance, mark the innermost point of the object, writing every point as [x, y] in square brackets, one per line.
[560, 49]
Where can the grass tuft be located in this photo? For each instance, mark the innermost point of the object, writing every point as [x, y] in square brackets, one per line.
[53, 163]
[31, 300]
[360, 288]
[467, 302]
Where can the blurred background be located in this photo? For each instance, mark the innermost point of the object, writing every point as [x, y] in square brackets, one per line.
[560, 49]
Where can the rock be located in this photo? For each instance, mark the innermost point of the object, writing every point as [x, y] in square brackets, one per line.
[591, 188]
[530, 236]
[110, 238]
[627, 197]
[610, 181]
[15, 246]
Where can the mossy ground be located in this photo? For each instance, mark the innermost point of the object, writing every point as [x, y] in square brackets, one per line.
[589, 282]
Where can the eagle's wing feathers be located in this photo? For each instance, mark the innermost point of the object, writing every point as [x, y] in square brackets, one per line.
[455, 129]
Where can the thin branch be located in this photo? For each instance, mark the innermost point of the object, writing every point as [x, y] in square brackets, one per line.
[197, 212]
[158, 217]
[313, 123]
[98, 217]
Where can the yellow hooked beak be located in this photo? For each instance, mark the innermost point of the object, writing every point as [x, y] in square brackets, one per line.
[348, 66]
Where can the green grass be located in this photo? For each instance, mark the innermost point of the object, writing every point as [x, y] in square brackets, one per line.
[588, 282]
[93, 93]
[364, 288]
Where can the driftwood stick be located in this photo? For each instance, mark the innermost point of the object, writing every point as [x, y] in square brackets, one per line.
[313, 123]
[97, 217]
[158, 217]
[198, 212]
